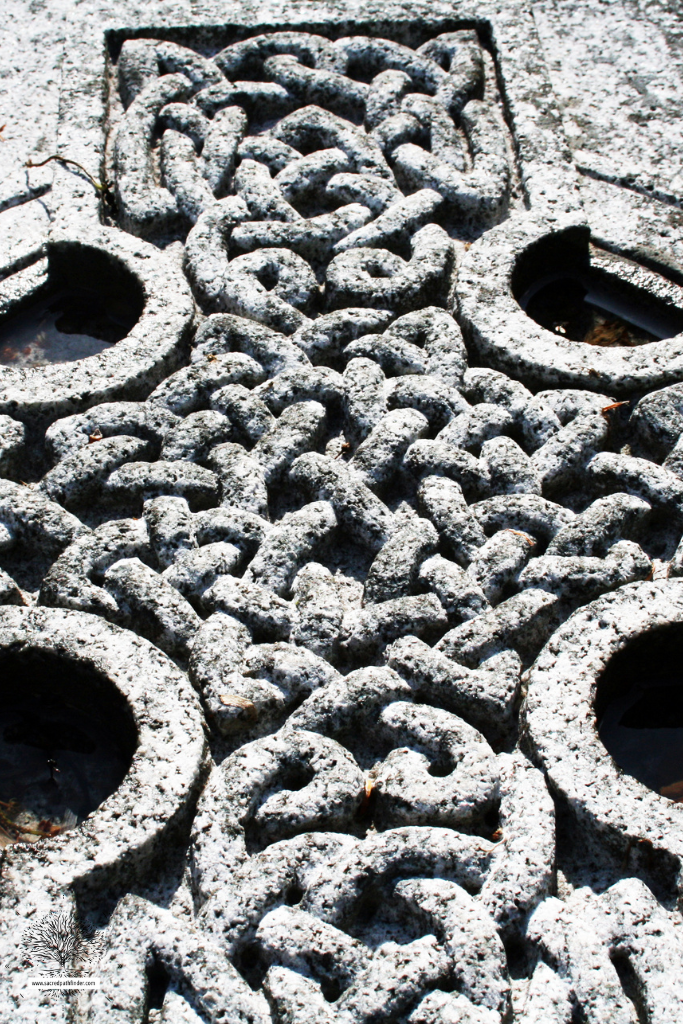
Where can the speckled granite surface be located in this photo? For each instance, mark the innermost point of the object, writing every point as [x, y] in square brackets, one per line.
[341, 505]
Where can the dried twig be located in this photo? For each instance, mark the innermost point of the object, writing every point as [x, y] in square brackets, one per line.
[614, 405]
[8, 826]
[368, 790]
[67, 161]
[520, 533]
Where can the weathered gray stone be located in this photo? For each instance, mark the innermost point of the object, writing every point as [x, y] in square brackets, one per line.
[443, 501]
[498, 563]
[605, 801]
[329, 217]
[293, 541]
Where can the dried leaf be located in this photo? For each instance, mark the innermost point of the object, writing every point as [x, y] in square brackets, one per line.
[233, 700]
[674, 791]
[608, 334]
[48, 829]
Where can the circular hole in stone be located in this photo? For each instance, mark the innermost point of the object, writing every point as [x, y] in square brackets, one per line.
[379, 270]
[441, 767]
[293, 895]
[250, 963]
[90, 302]
[295, 777]
[268, 276]
[67, 738]
[639, 708]
[557, 287]
[377, 916]
[331, 988]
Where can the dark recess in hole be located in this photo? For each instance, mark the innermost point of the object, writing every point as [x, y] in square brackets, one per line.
[89, 302]
[293, 895]
[517, 955]
[639, 709]
[378, 271]
[578, 1016]
[295, 777]
[249, 963]
[556, 285]
[268, 277]
[158, 980]
[441, 767]
[491, 818]
[27, 562]
[367, 907]
[67, 736]
[330, 988]
[630, 985]
[658, 535]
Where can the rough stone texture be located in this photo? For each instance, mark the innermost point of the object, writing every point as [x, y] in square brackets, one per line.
[351, 534]
[622, 808]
